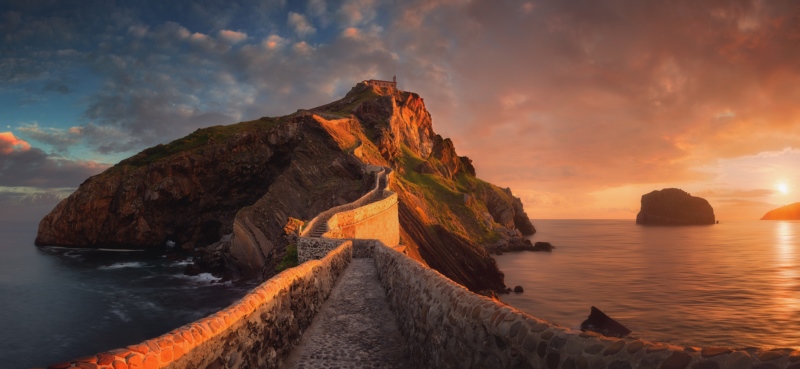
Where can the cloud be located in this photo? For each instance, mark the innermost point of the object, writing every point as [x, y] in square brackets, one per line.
[59, 139]
[736, 193]
[273, 42]
[27, 203]
[10, 144]
[23, 165]
[232, 36]
[562, 98]
[300, 24]
[356, 12]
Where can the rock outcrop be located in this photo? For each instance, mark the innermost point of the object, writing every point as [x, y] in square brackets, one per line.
[235, 187]
[601, 323]
[672, 206]
[788, 212]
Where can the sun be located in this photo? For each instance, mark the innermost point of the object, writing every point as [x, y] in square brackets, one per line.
[782, 188]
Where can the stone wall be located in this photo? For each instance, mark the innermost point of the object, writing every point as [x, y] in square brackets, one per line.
[315, 248]
[360, 221]
[258, 331]
[375, 192]
[446, 326]
[378, 220]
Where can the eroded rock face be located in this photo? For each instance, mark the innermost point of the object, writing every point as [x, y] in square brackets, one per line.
[237, 187]
[788, 212]
[672, 206]
[202, 196]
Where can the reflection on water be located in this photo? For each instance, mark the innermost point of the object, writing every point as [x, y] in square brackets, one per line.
[787, 301]
[735, 283]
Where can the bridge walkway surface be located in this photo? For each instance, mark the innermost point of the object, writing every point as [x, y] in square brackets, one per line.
[354, 329]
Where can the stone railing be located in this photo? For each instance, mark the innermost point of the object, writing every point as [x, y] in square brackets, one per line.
[374, 216]
[447, 326]
[377, 220]
[255, 332]
[323, 217]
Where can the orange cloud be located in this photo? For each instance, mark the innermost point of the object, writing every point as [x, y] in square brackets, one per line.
[9, 143]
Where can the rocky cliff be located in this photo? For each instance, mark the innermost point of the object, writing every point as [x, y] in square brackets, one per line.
[236, 187]
[672, 206]
[788, 212]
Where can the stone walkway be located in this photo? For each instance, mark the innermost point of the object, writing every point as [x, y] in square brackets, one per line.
[354, 329]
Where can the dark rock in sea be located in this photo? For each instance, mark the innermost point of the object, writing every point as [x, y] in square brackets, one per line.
[543, 246]
[672, 206]
[601, 323]
[788, 212]
[518, 289]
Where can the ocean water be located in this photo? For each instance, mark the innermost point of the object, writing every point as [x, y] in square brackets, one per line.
[60, 304]
[736, 283]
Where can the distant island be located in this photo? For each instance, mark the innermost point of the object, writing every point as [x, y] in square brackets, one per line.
[673, 206]
[788, 212]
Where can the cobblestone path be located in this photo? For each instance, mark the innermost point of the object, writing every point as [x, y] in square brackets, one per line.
[354, 329]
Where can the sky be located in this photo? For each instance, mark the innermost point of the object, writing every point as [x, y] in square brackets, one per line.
[579, 106]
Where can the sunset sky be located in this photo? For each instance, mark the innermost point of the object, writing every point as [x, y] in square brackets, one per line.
[579, 106]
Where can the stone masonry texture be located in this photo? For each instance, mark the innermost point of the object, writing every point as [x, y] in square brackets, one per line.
[355, 329]
[256, 332]
[441, 324]
[447, 326]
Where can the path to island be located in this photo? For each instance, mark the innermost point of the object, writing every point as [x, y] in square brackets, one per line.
[416, 318]
[355, 328]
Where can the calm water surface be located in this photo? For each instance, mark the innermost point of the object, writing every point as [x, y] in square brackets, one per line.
[61, 304]
[736, 283]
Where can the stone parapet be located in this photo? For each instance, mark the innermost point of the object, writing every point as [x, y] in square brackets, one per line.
[258, 331]
[447, 326]
[323, 217]
[315, 248]
[377, 220]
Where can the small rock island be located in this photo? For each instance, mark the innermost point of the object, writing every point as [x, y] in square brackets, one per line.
[788, 212]
[673, 206]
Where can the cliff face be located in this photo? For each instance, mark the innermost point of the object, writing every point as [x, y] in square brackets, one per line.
[236, 187]
[672, 206]
[447, 214]
[190, 190]
[788, 212]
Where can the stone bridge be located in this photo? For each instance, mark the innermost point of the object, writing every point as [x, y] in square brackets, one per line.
[358, 301]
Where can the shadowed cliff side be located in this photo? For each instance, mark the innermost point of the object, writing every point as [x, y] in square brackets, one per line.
[237, 188]
[447, 215]
[190, 190]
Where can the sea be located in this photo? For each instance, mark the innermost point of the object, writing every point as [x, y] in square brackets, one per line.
[736, 283]
[58, 304]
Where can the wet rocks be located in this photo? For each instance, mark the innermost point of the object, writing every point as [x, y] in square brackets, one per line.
[543, 246]
[601, 323]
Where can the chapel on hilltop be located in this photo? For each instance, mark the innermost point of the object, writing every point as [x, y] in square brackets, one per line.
[379, 83]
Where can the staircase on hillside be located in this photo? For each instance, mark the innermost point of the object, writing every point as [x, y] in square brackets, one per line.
[319, 230]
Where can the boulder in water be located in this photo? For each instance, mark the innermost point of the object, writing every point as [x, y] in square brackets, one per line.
[601, 323]
[672, 206]
[543, 246]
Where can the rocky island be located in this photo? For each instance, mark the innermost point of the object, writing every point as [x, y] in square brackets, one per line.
[788, 212]
[672, 206]
[236, 195]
